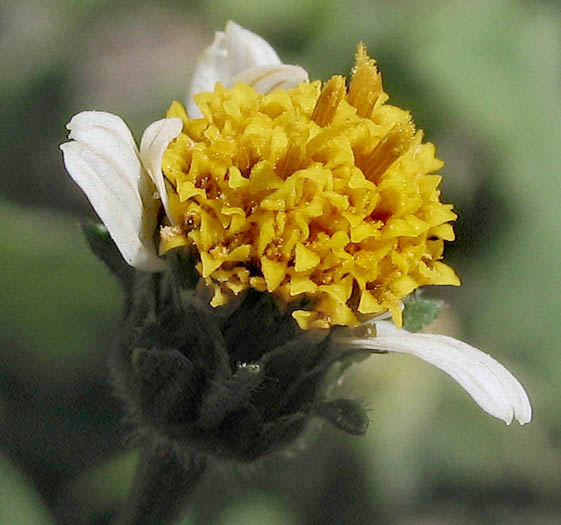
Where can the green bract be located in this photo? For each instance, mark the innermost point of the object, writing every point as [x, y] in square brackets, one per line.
[237, 382]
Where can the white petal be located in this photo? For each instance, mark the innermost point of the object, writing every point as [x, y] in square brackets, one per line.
[101, 134]
[104, 120]
[266, 78]
[103, 161]
[153, 144]
[232, 53]
[212, 67]
[488, 382]
[246, 49]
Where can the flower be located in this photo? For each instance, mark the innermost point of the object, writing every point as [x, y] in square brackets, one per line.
[321, 196]
[282, 185]
[312, 191]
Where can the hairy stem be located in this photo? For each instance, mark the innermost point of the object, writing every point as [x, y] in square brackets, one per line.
[163, 482]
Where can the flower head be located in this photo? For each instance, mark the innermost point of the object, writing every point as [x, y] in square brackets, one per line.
[316, 204]
[318, 191]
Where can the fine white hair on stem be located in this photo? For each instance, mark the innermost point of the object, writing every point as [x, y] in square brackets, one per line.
[486, 380]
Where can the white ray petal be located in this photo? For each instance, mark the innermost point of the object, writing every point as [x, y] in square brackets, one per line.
[233, 52]
[103, 137]
[211, 68]
[488, 382]
[109, 121]
[153, 144]
[103, 161]
[266, 78]
[247, 50]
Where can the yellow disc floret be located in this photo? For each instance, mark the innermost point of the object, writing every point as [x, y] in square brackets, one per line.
[319, 192]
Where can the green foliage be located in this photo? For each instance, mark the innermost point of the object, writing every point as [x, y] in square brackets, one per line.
[419, 312]
[261, 508]
[21, 504]
[104, 248]
[104, 486]
[57, 298]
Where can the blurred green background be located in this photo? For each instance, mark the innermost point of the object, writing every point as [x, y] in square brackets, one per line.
[483, 80]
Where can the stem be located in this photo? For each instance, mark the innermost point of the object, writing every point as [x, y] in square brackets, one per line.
[162, 484]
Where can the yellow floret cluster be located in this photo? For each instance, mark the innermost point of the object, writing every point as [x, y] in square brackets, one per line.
[324, 192]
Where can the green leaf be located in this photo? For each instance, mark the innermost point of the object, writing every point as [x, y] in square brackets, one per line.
[420, 312]
[103, 246]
